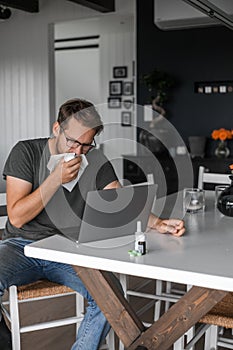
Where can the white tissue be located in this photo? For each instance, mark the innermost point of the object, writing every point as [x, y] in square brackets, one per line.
[69, 156]
[54, 160]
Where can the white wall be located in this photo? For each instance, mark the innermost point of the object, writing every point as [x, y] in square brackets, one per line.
[24, 70]
[117, 49]
[77, 71]
[87, 73]
[82, 79]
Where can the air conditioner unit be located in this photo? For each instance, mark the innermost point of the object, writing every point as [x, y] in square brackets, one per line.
[184, 14]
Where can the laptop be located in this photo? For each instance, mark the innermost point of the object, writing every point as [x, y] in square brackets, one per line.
[110, 216]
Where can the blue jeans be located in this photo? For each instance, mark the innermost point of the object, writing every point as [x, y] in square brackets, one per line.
[16, 268]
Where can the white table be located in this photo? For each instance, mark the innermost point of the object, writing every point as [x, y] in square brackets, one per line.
[202, 258]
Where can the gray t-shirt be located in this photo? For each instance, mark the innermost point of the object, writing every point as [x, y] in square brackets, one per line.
[28, 161]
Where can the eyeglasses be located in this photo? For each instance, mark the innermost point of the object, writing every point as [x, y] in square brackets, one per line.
[71, 143]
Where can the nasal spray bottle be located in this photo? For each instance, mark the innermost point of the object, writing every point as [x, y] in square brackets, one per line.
[140, 239]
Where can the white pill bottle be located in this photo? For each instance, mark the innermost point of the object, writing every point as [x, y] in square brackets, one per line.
[140, 239]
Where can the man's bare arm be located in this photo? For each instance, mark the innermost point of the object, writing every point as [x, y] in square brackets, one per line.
[114, 184]
[24, 205]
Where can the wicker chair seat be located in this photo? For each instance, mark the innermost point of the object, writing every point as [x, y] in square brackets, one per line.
[40, 289]
[221, 314]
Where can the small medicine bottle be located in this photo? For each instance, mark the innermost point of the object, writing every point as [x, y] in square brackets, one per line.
[140, 239]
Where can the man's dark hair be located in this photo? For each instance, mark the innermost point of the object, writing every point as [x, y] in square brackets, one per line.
[82, 110]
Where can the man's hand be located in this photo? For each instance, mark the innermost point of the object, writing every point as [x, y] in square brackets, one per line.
[68, 171]
[172, 226]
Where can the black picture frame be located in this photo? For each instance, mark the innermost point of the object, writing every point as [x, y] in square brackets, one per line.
[114, 102]
[115, 88]
[128, 88]
[127, 104]
[120, 72]
[126, 118]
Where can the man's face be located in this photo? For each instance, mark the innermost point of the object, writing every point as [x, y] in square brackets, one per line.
[74, 138]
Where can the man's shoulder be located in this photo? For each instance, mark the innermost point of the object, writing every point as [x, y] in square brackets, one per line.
[32, 144]
[96, 154]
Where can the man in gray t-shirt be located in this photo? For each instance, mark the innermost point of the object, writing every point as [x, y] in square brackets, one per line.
[27, 161]
[39, 205]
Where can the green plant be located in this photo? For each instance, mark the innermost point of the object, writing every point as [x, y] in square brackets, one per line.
[158, 84]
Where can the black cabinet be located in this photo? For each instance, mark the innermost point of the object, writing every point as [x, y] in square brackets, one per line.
[164, 169]
[136, 168]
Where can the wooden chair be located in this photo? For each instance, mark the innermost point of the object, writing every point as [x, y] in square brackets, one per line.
[213, 326]
[203, 178]
[211, 178]
[34, 292]
[40, 291]
[221, 316]
[3, 211]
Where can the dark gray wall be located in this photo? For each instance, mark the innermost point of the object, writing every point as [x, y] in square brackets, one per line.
[189, 55]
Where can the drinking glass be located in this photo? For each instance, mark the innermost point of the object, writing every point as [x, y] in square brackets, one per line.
[193, 200]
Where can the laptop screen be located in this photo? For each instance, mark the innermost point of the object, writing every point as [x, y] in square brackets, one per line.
[115, 212]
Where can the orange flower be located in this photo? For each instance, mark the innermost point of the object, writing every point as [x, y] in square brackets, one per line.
[231, 166]
[215, 134]
[222, 134]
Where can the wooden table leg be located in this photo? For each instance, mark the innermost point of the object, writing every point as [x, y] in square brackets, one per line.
[164, 332]
[112, 303]
[179, 318]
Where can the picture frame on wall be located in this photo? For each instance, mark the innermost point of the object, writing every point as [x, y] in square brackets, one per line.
[128, 88]
[114, 102]
[127, 104]
[120, 72]
[115, 88]
[126, 118]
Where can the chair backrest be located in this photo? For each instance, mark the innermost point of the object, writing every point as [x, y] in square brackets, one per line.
[211, 178]
[150, 179]
[2, 199]
[3, 212]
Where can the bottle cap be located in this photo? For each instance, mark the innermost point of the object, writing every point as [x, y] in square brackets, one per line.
[139, 226]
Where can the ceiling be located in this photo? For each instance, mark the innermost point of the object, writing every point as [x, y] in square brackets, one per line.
[33, 5]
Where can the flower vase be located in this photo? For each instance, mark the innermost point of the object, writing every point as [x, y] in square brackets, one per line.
[222, 151]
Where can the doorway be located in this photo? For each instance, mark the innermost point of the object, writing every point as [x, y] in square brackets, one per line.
[87, 53]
